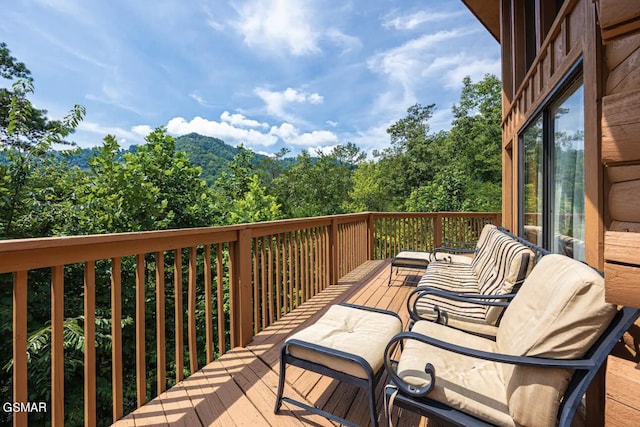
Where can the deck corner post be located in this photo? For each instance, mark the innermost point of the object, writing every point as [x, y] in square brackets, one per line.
[437, 230]
[242, 293]
[371, 226]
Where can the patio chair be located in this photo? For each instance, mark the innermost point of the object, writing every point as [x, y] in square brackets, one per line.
[472, 297]
[553, 339]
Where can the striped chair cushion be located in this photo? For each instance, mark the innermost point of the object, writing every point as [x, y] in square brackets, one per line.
[483, 248]
[509, 263]
[450, 310]
[450, 277]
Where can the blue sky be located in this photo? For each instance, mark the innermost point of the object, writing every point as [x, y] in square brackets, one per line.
[266, 73]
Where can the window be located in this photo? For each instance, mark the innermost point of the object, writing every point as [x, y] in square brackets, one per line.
[552, 177]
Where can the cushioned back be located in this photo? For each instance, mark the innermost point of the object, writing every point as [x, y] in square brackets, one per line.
[558, 313]
[511, 262]
[483, 247]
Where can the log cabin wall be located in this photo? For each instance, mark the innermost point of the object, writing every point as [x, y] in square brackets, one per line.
[621, 154]
[605, 35]
[564, 37]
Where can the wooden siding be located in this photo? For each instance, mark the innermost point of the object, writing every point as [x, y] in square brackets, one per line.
[621, 150]
[619, 18]
[604, 34]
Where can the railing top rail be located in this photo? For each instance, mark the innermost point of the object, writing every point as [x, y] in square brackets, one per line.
[27, 254]
[434, 214]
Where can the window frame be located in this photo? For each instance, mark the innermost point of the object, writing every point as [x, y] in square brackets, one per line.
[556, 97]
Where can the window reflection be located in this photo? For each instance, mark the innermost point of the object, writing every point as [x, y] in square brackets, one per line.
[568, 187]
[533, 182]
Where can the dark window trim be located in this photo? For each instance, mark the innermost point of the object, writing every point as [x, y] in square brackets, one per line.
[544, 110]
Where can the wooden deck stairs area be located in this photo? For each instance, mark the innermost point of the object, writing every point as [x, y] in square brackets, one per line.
[240, 387]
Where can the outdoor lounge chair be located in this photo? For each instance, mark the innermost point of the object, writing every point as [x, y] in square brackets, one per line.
[472, 296]
[553, 339]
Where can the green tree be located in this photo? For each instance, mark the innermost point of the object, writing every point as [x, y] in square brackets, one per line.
[27, 137]
[318, 186]
[240, 194]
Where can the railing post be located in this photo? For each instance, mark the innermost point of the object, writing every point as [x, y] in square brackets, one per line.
[437, 230]
[241, 290]
[333, 252]
[498, 219]
[371, 228]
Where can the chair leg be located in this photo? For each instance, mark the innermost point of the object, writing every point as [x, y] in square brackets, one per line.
[390, 275]
[372, 403]
[283, 370]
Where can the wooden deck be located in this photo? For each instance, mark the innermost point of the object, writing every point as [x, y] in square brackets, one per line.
[240, 387]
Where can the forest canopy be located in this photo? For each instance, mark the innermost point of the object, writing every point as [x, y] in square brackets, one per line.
[193, 181]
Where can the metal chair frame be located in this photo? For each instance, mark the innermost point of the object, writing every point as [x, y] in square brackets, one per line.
[586, 369]
[368, 384]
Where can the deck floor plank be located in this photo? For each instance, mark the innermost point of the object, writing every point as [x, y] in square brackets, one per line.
[240, 387]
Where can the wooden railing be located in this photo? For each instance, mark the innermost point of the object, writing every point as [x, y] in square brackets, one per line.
[393, 232]
[236, 280]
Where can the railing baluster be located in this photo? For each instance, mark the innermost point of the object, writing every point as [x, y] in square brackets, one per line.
[20, 373]
[116, 337]
[90, 343]
[141, 368]
[208, 304]
[263, 281]
[278, 279]
[191, 309]
[305, 265]
[222, 344]
[270, 278]
[57, 345]
[290, 290]
[317, 251]
[256, 287]
[296, 268]
[161, 351]
[177, 286]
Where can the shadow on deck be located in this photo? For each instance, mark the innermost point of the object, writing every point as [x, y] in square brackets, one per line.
[240, 387]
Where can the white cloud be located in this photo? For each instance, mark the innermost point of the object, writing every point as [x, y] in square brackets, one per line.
[120, 133]
[347, 42]
[290, 27]
[291, 135]
[142, 130]
[373, 138]
[411, 21]
[453, 69]
[200, 100]
[277, 25]
[405, 63]
[223, 130]
[327, 149]
[419, 63]
[277, 101]
[233, 134]
[331, 123]
[241, 121]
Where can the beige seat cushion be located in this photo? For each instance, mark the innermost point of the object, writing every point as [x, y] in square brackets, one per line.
[415, 259]
[352, 330]
[450, 277]
[471, 385]
[559, 313]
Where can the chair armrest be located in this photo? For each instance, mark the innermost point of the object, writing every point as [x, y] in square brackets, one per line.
[575, 364]
[449, 250]
[496, 300]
